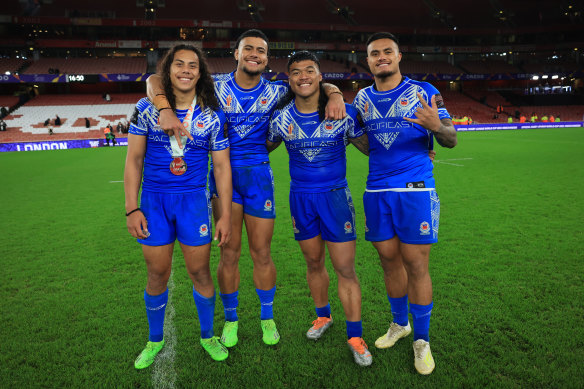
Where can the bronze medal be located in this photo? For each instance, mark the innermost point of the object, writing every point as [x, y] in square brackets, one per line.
[178, 166]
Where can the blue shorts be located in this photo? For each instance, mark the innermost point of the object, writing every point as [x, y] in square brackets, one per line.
[330, 214]
[412, 216]
[182, 216]
[253, 187]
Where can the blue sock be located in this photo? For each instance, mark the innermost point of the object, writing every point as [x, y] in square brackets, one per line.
[267, 300]
[354, 329]
[205, 309]
[399, 309]
[155, 308]
[230, 304]
[323, 311]
[421, 316]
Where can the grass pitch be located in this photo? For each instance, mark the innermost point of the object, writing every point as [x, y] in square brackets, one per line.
[507, 273]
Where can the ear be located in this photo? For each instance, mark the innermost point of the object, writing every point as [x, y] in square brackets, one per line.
[399, 57]
[320, 77]
[236, 54]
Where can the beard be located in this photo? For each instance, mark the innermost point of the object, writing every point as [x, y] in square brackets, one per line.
[252, 73]
[385, 74]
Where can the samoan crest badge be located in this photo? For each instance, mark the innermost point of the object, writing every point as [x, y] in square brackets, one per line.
[404, 102]
[268, 205]
[328, 126]
[264, 101]
[204, 230]
[200, 124]
[424, 228]
[410, 185]
[294, 228]
[348, 227]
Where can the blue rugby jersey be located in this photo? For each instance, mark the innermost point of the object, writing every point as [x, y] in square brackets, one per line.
[248, 112]
[207, 131]
[398, 149]
[316, 149]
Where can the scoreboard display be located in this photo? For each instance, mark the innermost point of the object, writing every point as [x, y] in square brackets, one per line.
[83, 78]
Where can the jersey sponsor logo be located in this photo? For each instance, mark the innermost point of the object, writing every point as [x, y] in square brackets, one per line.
[204, 230]
[386, 138]
[348, 227]
[424, 228]
[294, 228]
[268, 205]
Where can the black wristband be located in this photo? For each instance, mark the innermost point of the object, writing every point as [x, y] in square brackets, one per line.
[131, 212]
[163, 108]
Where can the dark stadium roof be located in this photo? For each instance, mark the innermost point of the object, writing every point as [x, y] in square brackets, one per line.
[392, 15]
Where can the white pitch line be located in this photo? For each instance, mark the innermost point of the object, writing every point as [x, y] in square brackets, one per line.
[452, 159]
[447, 163]
[111, 182]
[164, 375]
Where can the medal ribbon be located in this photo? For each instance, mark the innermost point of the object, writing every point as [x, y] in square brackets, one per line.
[177, 151]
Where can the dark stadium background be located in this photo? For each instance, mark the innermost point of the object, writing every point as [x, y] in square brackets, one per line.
[490, 59]
[507, 270]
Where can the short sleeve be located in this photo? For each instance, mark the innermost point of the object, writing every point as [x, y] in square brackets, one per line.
[219, 141]
[355, 128]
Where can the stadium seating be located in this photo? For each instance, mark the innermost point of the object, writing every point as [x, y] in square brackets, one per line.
[10, 64]
[89, 65]
[488, 67]
[27, 122]
[423, 67]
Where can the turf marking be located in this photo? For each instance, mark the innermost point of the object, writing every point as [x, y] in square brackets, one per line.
[452, 159]
[163, 374]
[112, 182]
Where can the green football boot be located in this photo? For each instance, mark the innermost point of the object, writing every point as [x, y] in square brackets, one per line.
[271, 335]
[214, 348]
[147, 355]
[229, 335]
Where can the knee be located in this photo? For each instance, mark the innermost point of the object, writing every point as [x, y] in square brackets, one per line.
[261, 256]
[201, 276]
[230, 257]
[314, 264]
[346, 272]
[417, 270]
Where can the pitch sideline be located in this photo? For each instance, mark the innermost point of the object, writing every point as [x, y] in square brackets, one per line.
[163, 374]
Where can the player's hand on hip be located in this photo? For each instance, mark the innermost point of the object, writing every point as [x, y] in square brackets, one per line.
[223, 231]
[137, 225]
[171, 125]
[335, 107]
[431, 154]
[427, 116]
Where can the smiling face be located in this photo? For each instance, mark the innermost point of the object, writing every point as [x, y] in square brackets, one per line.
[305, 78]
[383, 58]
[184, 71]
[252, 55]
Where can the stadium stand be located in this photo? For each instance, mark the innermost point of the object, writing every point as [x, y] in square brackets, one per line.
[88, 65]
[11, 64]
[423, 67]
[27, 122]
[488, 67]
